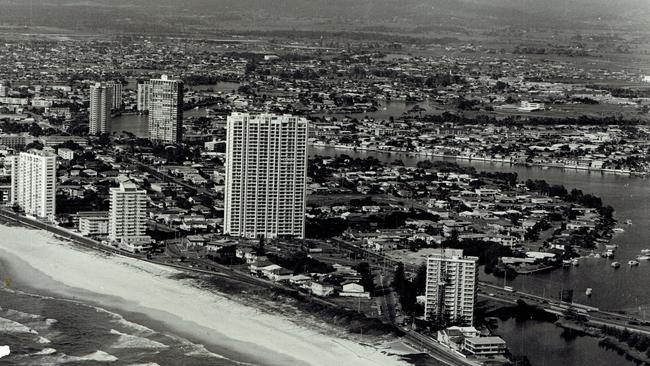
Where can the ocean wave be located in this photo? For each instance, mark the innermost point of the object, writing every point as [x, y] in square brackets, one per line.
[119, 319]
[43, 340]
[97, 356]
[116, 317]
[132, 341]
[44, 352]
[200, 350]
[20, 315]
[10, 326]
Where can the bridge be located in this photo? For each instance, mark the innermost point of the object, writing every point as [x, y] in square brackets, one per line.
[555, 306]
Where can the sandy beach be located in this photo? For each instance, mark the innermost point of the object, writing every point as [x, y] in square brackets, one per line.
[39, 261]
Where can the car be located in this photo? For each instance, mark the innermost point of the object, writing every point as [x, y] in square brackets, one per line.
[491, 294]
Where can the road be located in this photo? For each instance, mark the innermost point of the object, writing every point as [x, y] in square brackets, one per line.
[435, 350]
[169, 178]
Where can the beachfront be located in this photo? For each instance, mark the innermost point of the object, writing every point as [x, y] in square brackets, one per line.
[124, 284]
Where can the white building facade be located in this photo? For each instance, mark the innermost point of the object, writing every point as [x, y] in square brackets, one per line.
[33, 183]
[266, 173]
[451, 287]
[116, 94]
[93, 223]
[101, 103]
[127, 218]
[166, 110]
[144, 96]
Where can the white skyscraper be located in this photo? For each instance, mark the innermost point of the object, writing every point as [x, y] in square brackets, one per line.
[166, 110]
[101, 103]
[116, 94]
[127, 220]
[4, 89]
[33, 182]
[266, 172]
[451, 287]
[144, 95]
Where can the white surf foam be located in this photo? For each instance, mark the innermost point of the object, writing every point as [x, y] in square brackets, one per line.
[132, 341]
[20, 315]
[119, 319]
[44, 352]
[97, 356]
[10, 326]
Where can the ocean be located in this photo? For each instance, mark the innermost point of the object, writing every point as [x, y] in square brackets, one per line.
[44, 330]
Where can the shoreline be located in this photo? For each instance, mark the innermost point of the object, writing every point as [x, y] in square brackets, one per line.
[105, 303]
[130, 286]
[508, 161]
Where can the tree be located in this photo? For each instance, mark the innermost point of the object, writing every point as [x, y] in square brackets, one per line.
[260, 247]
[421, 279]
[35, 130]
[34, 145]
[399, 278]
[643, 344]
[367, 279]
[632, 340]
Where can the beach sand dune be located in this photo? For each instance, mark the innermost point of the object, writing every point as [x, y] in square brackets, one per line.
[41, 262]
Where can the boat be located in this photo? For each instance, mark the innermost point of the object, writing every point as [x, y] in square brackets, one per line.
[608, 254]
[589, 291]
[616, 265]
[633, 263]
[645, 251]
[643, 257]
[628, 222]
[575, 262]
[611, 246]
[618, 229]
[597, 255]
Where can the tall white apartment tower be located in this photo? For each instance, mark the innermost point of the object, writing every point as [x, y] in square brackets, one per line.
[4, 89]
[266, 173]
[101, 103]
[144, 95]
[166, 110]
[127, 219]
[451, 287]
[33, 182]
[116, 93]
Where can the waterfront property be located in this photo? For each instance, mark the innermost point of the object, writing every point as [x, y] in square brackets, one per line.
[33, 183]
[451, 286]
[127, 217]
[166, 110]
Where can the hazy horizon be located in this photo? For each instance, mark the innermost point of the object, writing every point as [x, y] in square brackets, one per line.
[289, 14]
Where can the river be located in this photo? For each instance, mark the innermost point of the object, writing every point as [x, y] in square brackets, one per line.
[622, 289]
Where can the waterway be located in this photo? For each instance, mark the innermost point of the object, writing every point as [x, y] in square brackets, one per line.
[623, 289]
[137, 124]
